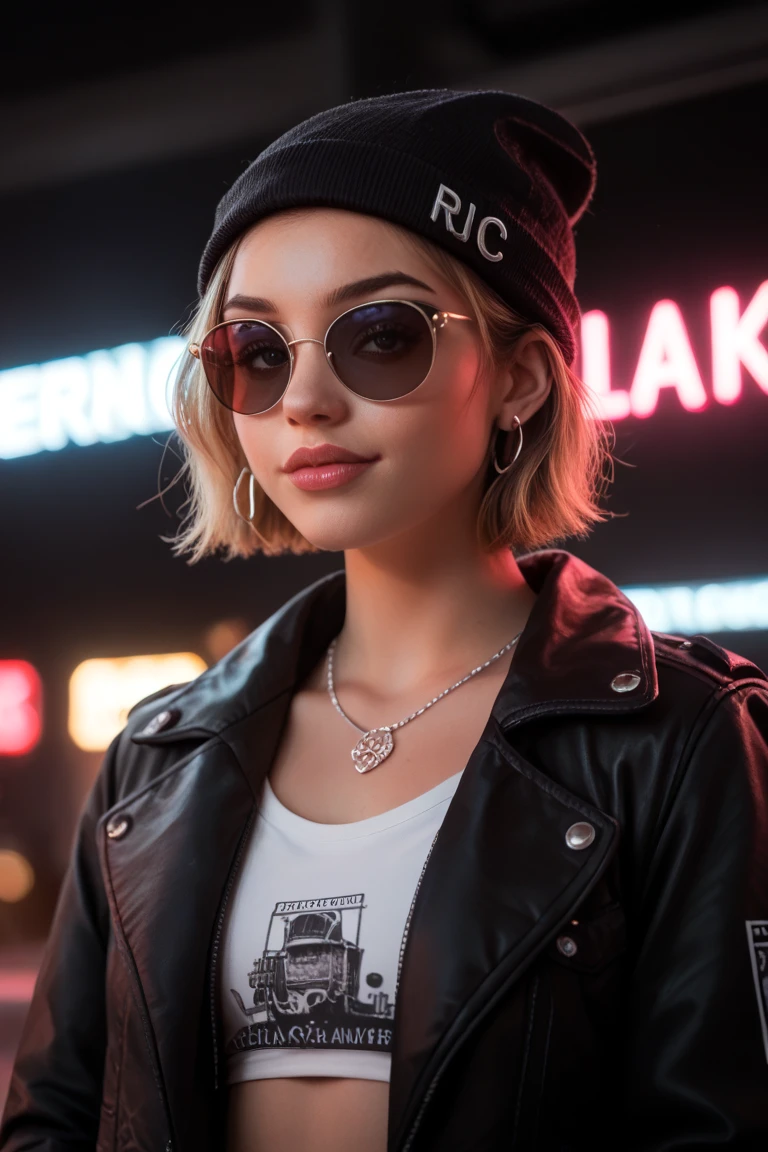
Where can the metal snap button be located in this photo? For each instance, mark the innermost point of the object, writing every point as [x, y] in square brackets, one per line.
[579, 835]
[160, 721]
[567, 946]
[625, 681]
[117, 826]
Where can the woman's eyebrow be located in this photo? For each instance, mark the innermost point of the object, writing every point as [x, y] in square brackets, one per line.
[338, 296]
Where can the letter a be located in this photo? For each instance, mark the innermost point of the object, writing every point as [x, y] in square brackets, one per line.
[666, 361]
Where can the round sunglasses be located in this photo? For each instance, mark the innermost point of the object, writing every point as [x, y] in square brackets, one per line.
[381, 351]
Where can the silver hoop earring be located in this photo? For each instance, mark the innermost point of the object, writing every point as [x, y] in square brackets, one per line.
[515, 424]
[251, 497]
[251, 502]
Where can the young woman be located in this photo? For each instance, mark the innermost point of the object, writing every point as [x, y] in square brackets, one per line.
[452, 853]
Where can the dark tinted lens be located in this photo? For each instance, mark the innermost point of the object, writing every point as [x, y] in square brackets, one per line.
[247, 365]
[382, 351]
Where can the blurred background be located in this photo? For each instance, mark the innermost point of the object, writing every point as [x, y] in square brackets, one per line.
[121, 131]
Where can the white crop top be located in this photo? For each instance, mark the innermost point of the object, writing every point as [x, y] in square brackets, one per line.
[312, 935]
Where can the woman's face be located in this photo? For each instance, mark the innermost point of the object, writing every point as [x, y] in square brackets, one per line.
[429, 446]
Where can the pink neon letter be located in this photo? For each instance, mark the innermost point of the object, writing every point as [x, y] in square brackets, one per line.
[666, 361]
[20, 709]
[735, 342]
[596, 366]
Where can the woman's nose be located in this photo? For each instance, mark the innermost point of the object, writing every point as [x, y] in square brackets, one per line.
[301, 401]
[309, 340]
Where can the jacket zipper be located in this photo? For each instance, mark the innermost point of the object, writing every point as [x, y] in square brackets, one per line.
[431, 1088]
[217, 939]
[479, 1016]
[425, 1100]
[410, 915]
[433, 1083]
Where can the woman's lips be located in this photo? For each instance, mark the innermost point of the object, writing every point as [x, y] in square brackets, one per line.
[328, 475]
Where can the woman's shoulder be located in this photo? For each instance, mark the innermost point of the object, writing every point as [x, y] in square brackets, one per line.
[708, 723]
[707, 719]
[702, 658]
[129, 764]
[164, 727]
[696, 674]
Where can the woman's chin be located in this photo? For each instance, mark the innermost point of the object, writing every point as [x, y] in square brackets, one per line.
[339, 537]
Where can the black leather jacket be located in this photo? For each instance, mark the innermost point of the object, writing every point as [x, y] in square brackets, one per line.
[562, 988]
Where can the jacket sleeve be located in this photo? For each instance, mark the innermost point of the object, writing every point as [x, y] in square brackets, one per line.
[698, 1038]
[54, 1098]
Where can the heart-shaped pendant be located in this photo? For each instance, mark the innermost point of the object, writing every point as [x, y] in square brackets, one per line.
[372, 748]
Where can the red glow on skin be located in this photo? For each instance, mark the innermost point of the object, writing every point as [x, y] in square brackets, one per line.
[20, 707]
[667, 359]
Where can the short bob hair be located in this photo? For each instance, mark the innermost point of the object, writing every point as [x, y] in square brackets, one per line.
[551, 492]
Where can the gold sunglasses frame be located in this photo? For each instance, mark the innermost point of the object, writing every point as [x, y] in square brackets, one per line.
[436, 318]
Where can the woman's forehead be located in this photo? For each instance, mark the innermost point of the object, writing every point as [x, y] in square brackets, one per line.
[327, 231]
[320, 249]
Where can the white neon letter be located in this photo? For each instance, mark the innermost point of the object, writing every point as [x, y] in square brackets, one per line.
[20, 406]
[596, 366]
[735, 341]
[666, 361]
[118, 400]
[65, 393]
[162, 361]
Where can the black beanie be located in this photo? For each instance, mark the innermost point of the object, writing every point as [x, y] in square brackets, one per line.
[496, 179]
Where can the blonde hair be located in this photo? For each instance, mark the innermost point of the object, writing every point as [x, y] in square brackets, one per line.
[551, 492]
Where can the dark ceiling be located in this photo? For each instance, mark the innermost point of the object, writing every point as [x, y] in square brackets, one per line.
[69, 47]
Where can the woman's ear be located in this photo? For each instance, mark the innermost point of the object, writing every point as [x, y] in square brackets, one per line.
[525, 381]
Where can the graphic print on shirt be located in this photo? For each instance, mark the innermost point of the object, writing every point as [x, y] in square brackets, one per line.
[306, 983]
[757, 935]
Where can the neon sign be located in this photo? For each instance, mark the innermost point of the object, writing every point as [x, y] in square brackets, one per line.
[102, 690]
[17, 876]
[115, 393]
[98, 398]
[667, 359]
[725, 606]
[21, 719]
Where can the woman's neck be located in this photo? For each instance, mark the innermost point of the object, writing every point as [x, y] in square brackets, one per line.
[429, 620]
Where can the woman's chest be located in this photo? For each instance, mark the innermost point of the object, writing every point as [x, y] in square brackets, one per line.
[310, 967]
[314, 773]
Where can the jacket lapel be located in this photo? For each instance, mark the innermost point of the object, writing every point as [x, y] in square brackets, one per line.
[581, 633]
[483, 911]
[168, 877]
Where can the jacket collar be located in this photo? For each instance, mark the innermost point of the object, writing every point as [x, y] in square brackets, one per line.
[581, 633]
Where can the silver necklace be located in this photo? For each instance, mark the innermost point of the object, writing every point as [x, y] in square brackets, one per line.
[377, 743]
